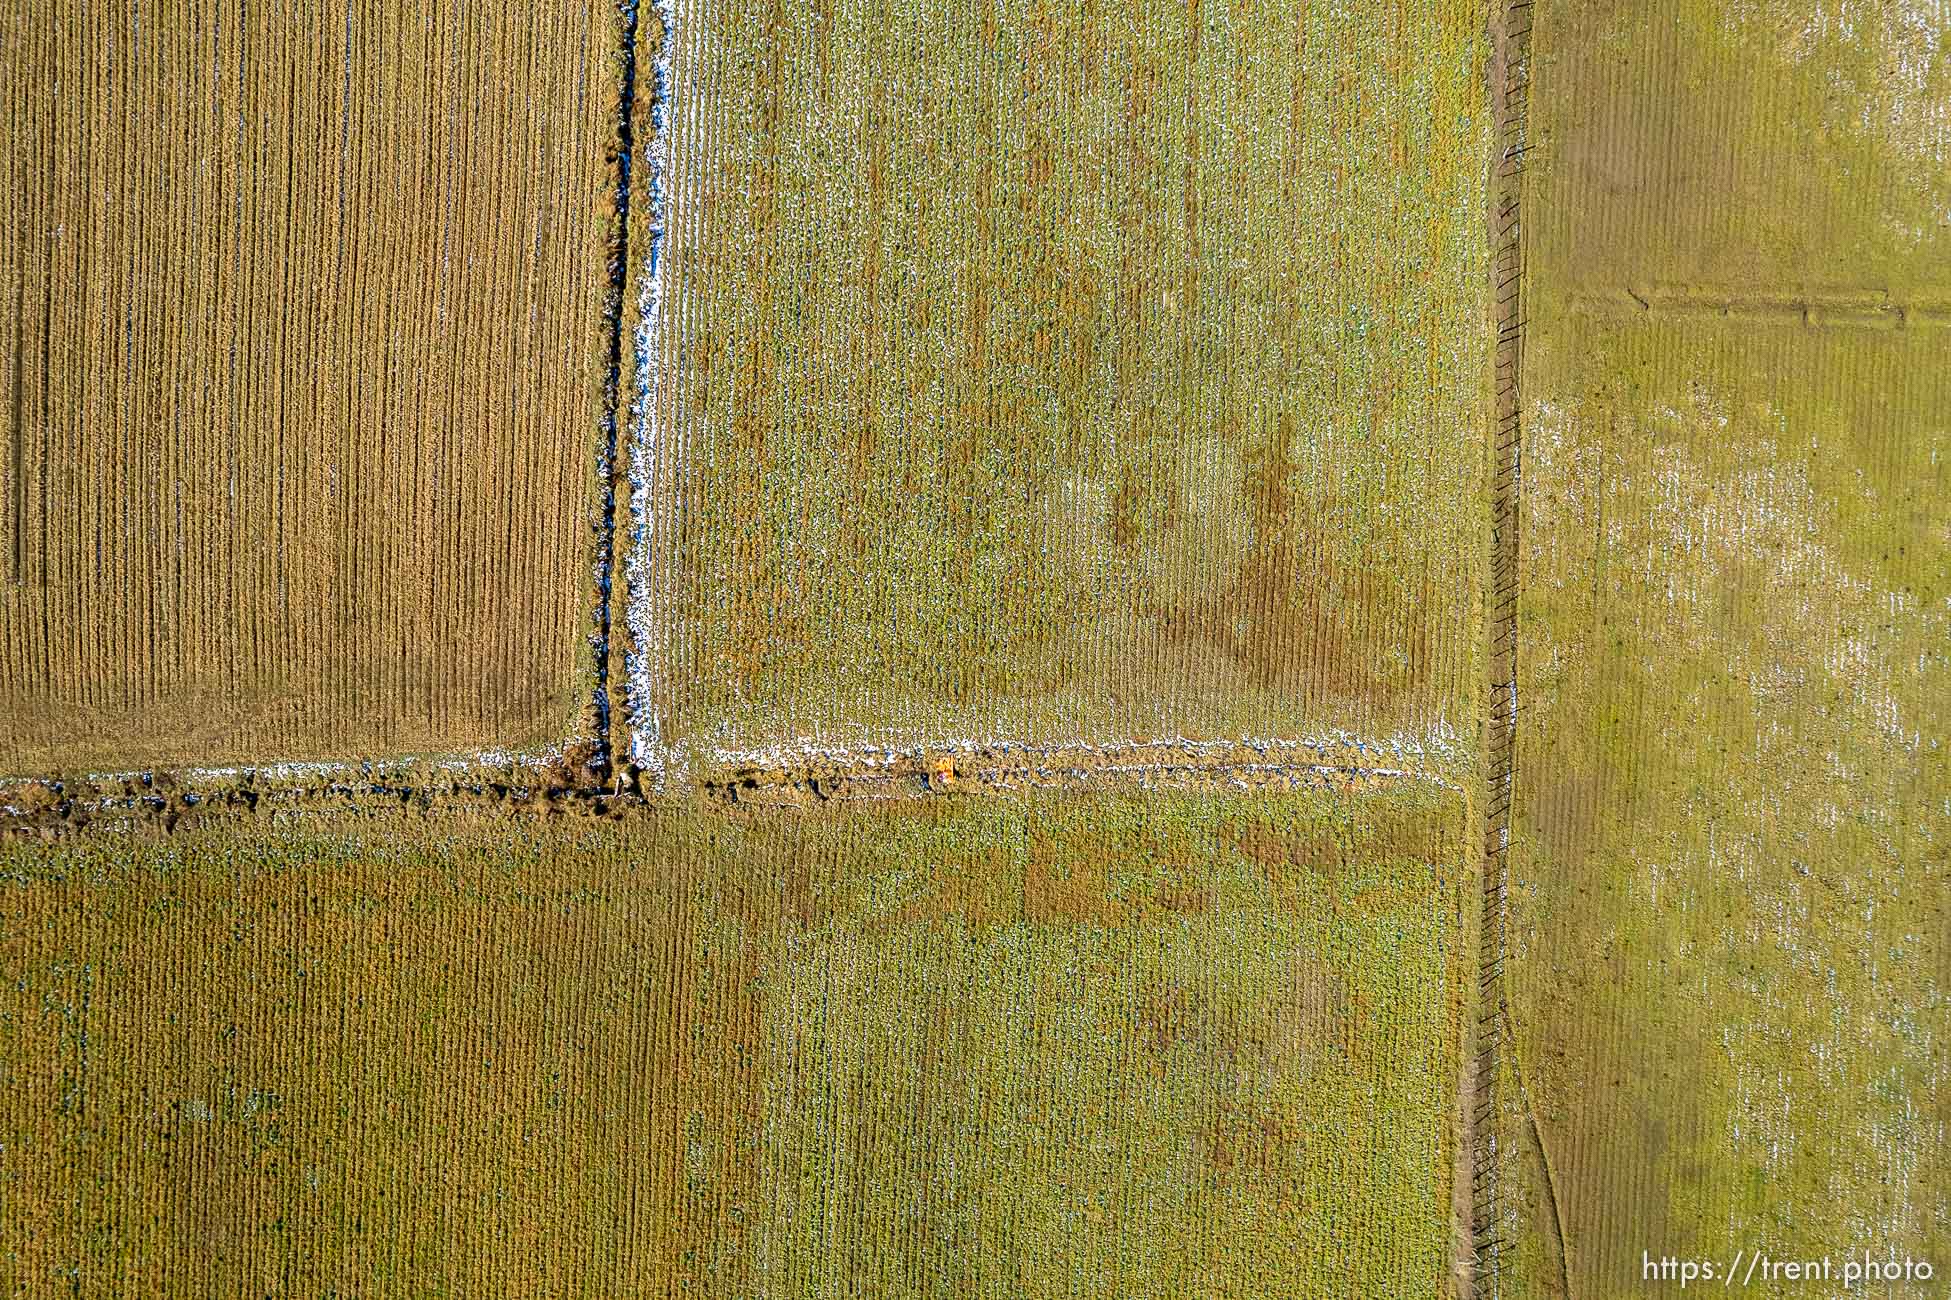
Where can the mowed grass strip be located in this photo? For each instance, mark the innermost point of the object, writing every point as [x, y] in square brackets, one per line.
[303, 313]
[997, 1047]
[1040, 374]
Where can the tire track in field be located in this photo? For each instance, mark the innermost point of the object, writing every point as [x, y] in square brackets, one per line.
[1871, 309]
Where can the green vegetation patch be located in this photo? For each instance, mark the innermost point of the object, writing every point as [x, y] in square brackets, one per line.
[1731, 958]
[1758, 146]
[1732, 991]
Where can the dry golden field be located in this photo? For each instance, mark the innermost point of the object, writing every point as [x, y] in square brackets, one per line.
[297, 442]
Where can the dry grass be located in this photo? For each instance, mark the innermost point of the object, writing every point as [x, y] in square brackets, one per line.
[297, 437]
[1002, 1046]
[1161, 329]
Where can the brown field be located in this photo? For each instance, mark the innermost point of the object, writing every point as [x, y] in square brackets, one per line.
[1060, 1046]
[1732, 927]
[1103, 373]
[297, 440]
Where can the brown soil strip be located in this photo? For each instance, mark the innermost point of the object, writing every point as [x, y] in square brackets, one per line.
[17, 462]
[559, 784]
[1339, 763]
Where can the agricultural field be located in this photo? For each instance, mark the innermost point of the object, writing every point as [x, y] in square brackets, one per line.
[298, 430]
[998, 1046]
[1048, 374]
[974, 580]
[1745, 150]
[1732, 916]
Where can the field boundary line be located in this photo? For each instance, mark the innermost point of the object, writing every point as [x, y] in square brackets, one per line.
[608, 473]
[1342, 761]
[641, 750]
[556, 782]
[1835, 308]
[1509, 91]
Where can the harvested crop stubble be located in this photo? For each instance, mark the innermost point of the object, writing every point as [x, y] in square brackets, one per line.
[989, 1047]
[297, 434]
[1103, 372]
[1731, 990]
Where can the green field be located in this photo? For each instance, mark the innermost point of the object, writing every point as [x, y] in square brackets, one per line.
[1735, 601]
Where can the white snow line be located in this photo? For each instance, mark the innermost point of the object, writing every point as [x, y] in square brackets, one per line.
[643, 431]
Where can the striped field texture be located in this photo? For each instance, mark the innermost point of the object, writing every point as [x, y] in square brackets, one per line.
[1070, 1046]
[1038, 372]
[303, 311]
[1732, 976]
